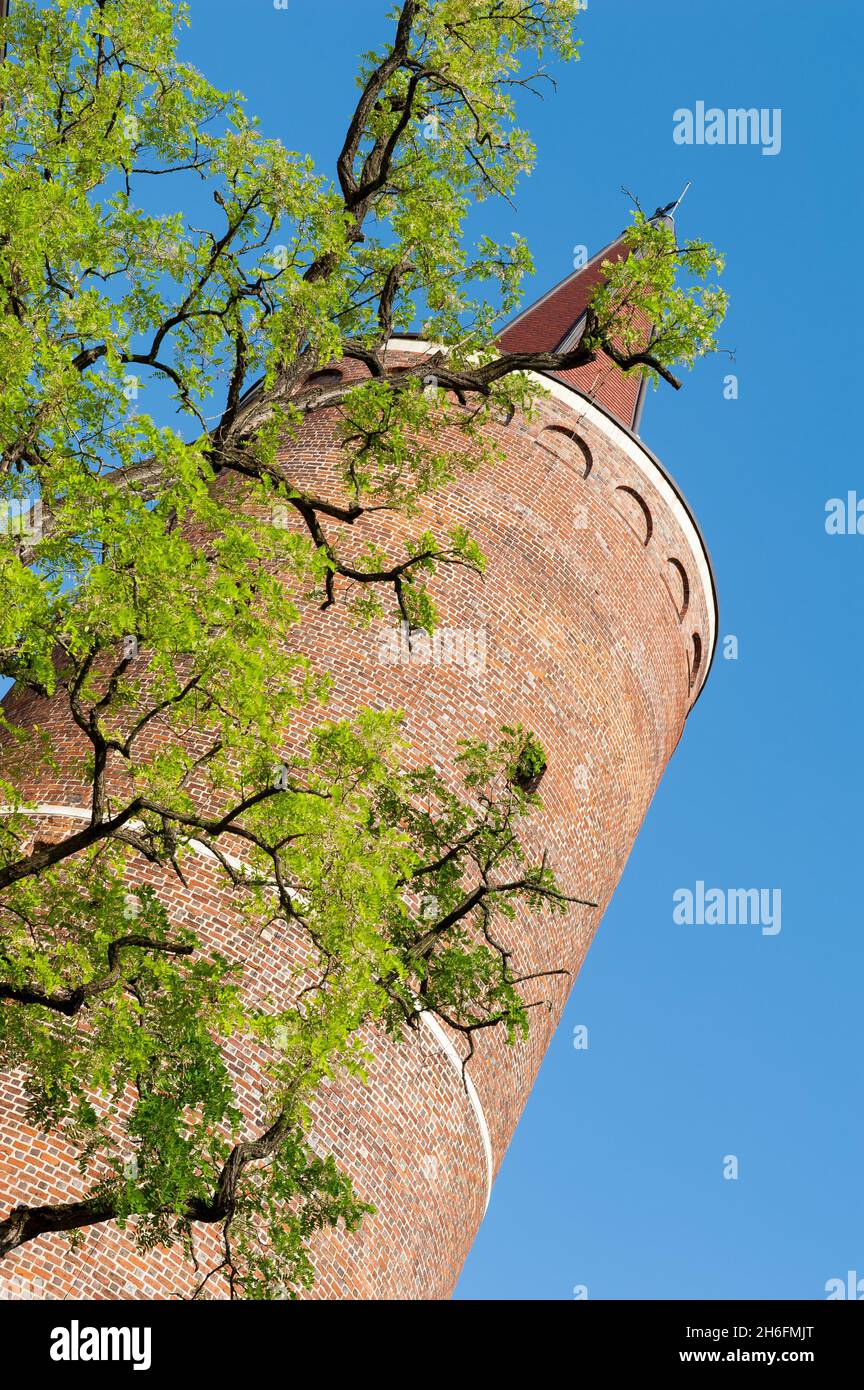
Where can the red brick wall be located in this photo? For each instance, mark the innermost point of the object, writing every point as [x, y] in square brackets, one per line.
[579, 625]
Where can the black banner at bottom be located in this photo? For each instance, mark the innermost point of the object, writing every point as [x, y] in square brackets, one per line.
[64, 1339]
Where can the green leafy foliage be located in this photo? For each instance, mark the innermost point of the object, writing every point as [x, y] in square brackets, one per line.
[155, 591]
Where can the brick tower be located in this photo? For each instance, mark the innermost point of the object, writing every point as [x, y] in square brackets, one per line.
[595, 627]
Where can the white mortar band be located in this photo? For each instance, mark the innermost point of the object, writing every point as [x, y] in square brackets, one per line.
[456, 1062]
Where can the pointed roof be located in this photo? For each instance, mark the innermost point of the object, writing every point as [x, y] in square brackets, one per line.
[554, 323]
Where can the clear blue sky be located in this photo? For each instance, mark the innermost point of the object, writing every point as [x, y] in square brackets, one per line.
[704, 1041]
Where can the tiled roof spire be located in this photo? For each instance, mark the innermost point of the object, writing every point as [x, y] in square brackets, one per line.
[554, 323]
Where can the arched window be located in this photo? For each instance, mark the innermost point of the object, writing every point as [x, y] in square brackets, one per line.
[569, 448]
[328, 376]
[696, 660]
[634, 510]
[675, 577]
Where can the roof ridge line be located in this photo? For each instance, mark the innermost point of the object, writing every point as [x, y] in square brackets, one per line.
[573, 275]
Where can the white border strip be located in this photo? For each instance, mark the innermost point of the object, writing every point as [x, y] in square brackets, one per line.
[580, 405]
[80, 813]
[456, 1061]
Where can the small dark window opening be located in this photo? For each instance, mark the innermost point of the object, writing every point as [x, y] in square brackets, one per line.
[697, 658]
[327, 377]
[642, 513]
[679, 592]
[529, 782]
[527, 769]
[569, 447]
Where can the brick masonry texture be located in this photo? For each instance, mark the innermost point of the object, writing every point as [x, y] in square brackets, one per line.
[583, 630]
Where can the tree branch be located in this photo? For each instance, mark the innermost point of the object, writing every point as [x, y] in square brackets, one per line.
[70, 1002]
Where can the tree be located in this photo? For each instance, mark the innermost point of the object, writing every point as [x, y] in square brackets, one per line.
[157, 609]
